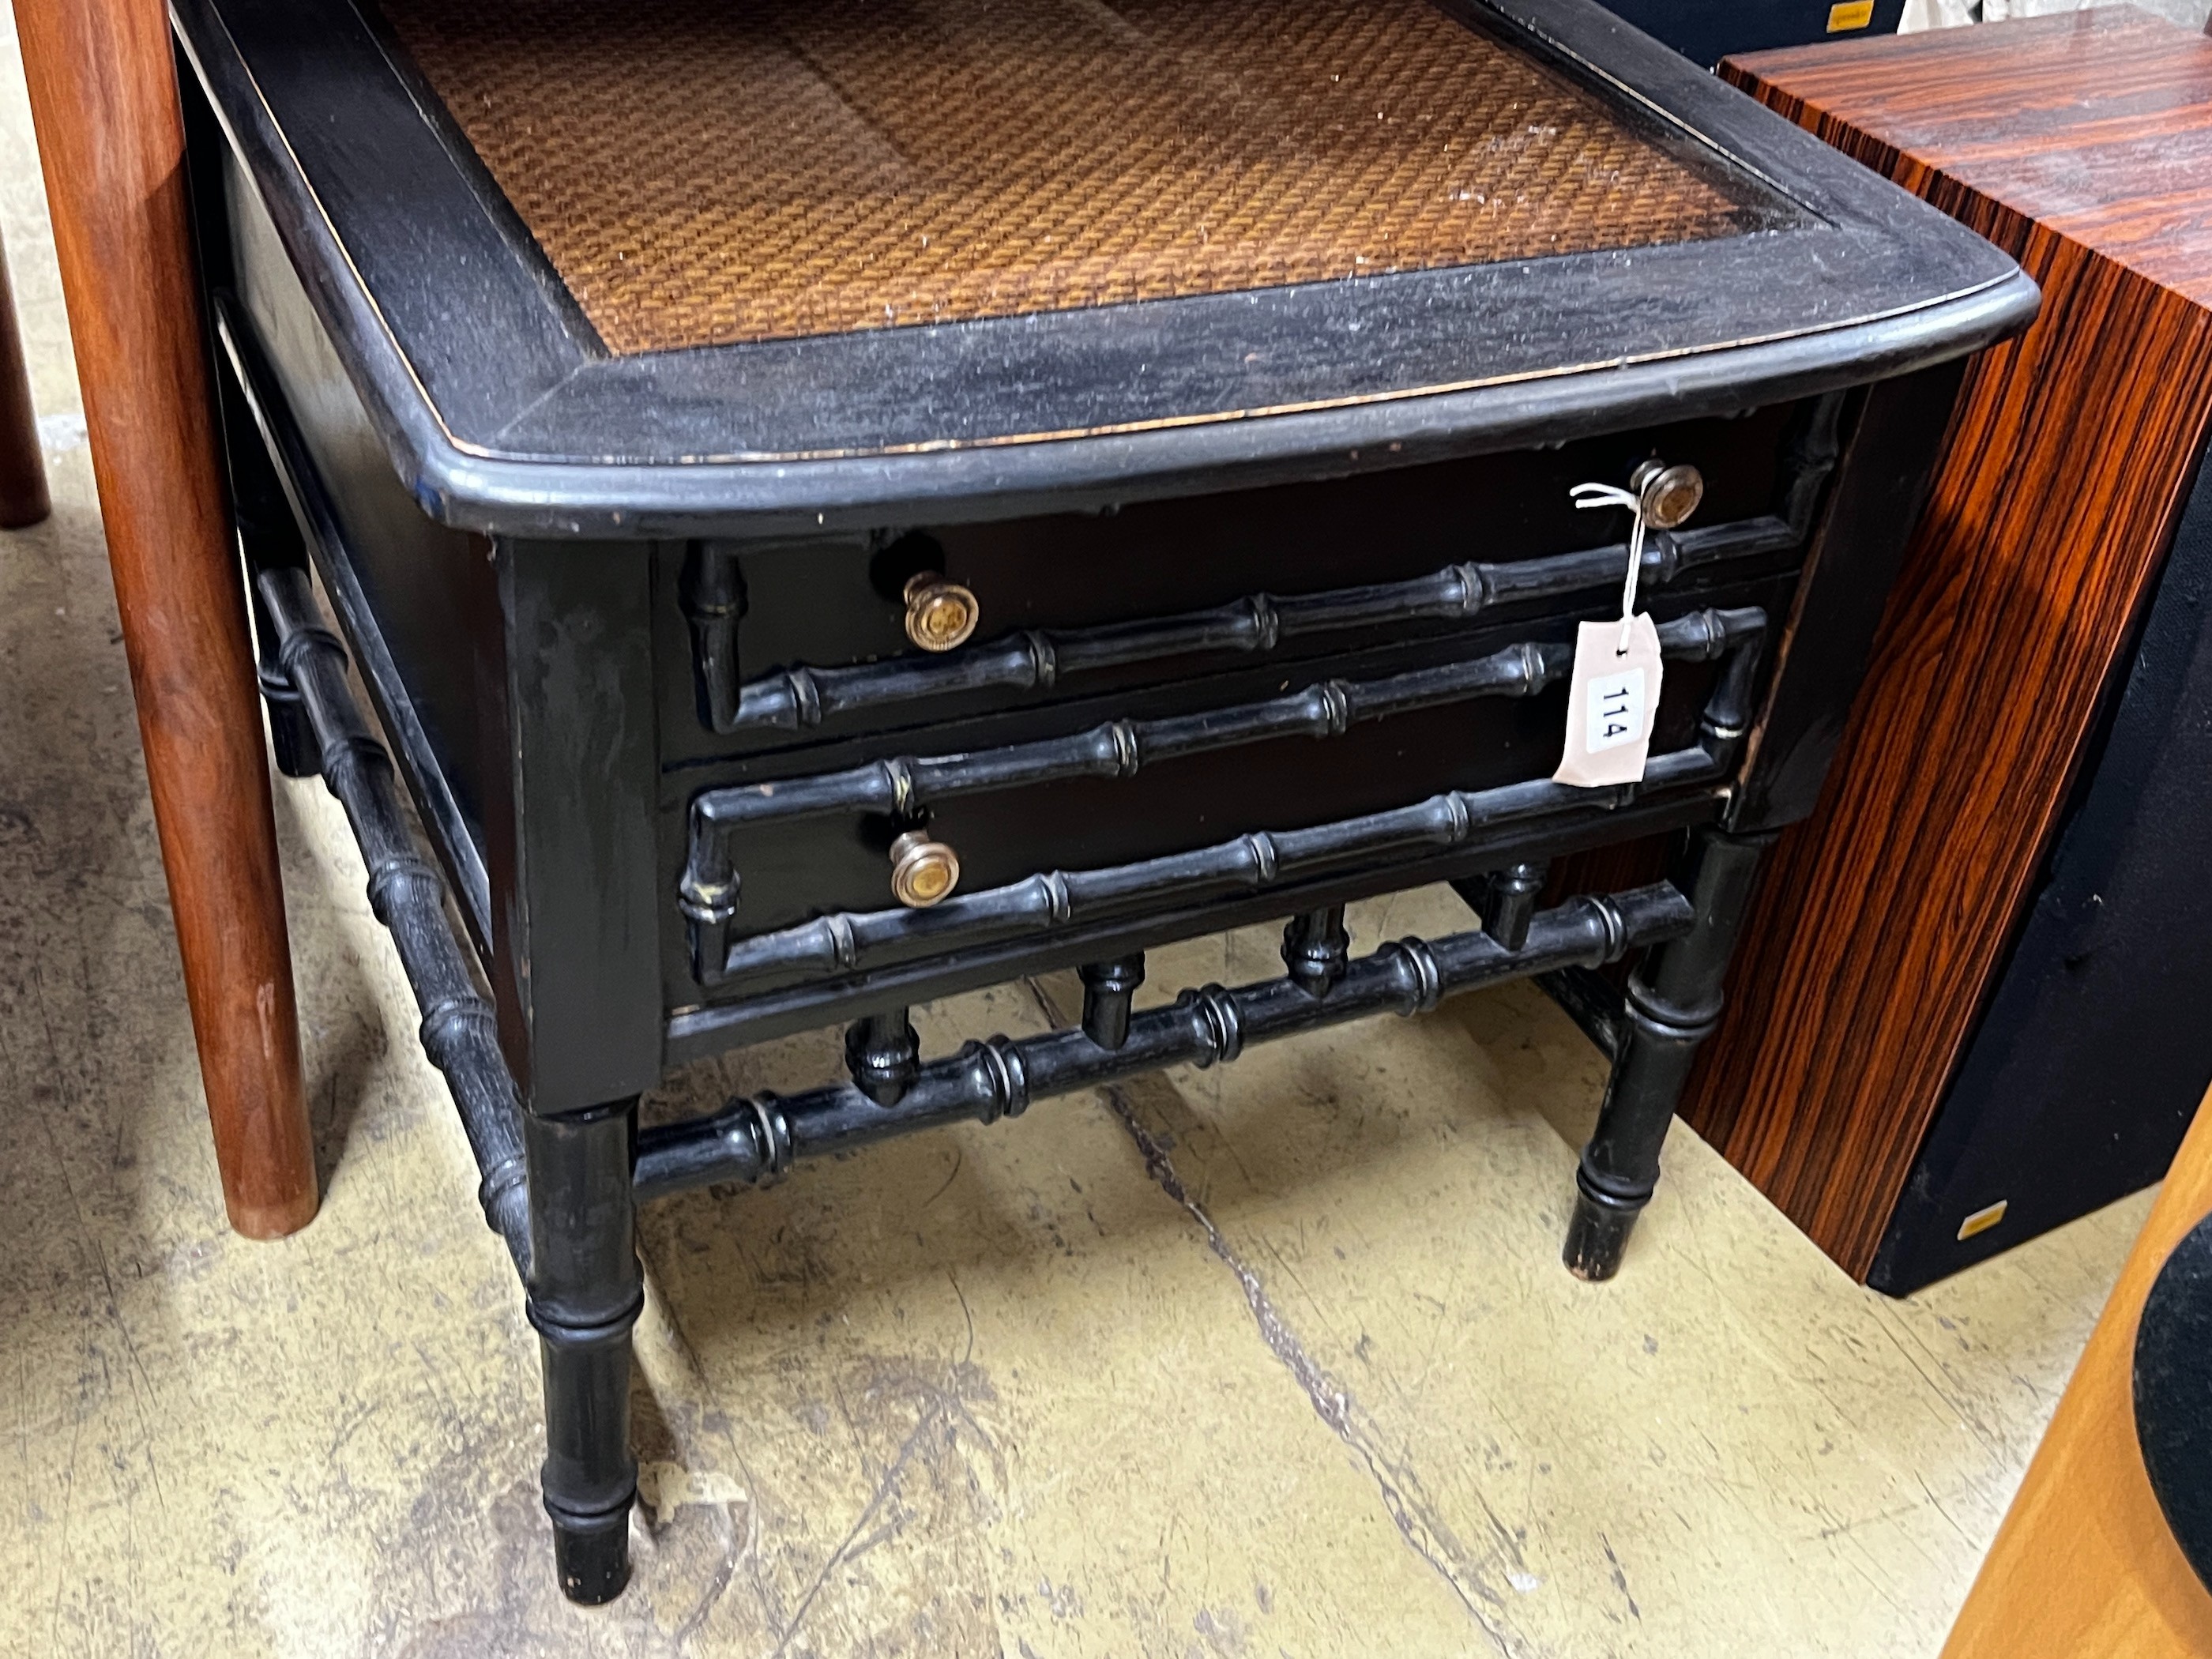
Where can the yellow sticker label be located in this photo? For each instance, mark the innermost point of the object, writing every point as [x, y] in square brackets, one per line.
[1849, 14]
[1983, 1219]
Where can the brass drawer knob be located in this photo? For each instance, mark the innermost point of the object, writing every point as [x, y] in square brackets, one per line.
[1669, 494]
[939, 614]
[922, 871]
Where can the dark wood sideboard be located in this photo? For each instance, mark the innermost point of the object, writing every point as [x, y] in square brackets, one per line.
[2081, 145]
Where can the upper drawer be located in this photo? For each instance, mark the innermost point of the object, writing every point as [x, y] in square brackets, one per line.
[766, 646]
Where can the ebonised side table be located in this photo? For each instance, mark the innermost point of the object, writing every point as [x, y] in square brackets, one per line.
[820, 538]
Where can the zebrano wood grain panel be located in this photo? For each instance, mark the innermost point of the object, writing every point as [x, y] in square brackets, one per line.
[2082, 144]
[2097, 126]
[709, 172]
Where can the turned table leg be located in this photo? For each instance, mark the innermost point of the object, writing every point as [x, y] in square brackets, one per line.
[111, 141]
[586, 1290]
[22, 475]
[1674, 1003]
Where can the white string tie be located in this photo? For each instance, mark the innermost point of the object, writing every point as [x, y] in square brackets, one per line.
[1604, 495]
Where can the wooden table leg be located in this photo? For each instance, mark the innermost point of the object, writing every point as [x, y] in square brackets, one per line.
[22, 474]
[2085, 1563]
[110, 140]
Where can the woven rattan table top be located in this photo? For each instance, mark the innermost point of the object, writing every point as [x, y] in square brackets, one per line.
[711, 172]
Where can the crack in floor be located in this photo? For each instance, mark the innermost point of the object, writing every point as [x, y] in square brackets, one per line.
[1424, 1531]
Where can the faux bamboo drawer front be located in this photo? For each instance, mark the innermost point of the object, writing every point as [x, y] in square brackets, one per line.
[765, 647]
[1176, 772]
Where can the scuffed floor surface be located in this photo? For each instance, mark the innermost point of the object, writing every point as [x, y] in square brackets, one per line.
[1275, 1360]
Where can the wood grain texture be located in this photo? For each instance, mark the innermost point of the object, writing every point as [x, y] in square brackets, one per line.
[2082, 144]
[110, 142]
[22, 473]
[2085, 1563]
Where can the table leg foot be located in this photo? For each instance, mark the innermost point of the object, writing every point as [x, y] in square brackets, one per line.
[1597, 1236]
[1674, 1003]
[586, 1290]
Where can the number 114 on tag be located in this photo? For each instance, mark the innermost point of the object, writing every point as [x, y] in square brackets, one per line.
[1615, 711]
[1610, 703]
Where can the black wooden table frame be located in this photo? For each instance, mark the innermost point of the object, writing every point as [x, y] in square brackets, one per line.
[561, 1188]
[578, 928]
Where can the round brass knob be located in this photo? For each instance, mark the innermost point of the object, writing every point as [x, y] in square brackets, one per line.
[922, 871]
[939, 614]
[1669, 494]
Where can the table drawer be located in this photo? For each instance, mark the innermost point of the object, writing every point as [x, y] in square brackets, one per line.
[768, 646]
[787, 869]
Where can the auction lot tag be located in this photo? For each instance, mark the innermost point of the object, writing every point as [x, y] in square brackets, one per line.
[1611, 702]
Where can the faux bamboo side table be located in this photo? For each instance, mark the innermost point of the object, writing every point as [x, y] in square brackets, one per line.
[818, 545]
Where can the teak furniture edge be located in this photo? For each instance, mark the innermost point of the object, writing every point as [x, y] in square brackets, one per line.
[2085, 1561]
[2083, 145]
[110, 142]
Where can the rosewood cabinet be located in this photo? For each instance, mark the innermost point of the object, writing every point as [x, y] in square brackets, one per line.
[2083, 145]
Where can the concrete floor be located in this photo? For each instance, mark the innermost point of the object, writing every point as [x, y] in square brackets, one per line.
[1278, 1360]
